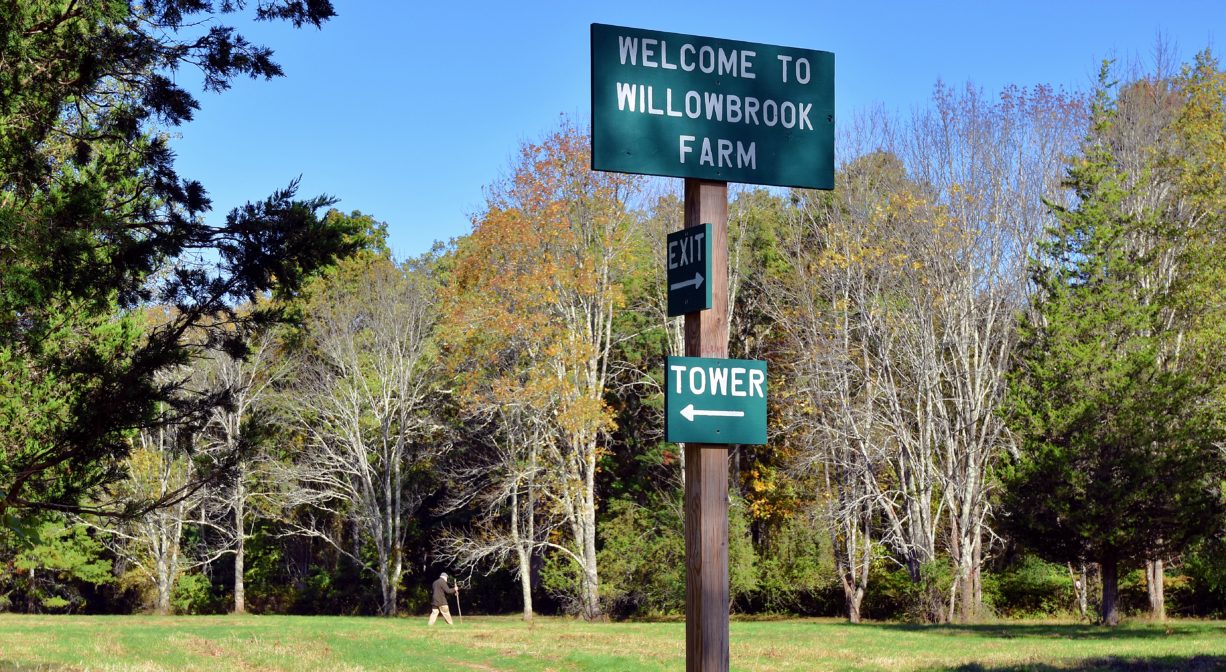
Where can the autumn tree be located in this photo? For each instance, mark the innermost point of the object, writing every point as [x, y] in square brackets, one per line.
[535, 287]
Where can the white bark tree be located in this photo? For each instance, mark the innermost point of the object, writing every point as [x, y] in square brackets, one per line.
[362, 400]
[838, 309]
[908, 282]
[251, 383]
[159, 471]
[990, 168]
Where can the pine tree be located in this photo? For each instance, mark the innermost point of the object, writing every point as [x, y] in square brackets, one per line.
[96, 227]
[1117, 461]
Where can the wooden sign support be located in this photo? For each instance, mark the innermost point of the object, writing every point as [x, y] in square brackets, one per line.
[706, 465]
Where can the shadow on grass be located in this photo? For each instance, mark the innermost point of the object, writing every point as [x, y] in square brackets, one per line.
[1157, 664]
[17, 666]
[1061, 631]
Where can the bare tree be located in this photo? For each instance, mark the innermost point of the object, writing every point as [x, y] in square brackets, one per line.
[820, 306]
[250, 382]
[990, 169]
[362, 400]
[902, 324]
[160, 470]
[854, 313]
[503, 482]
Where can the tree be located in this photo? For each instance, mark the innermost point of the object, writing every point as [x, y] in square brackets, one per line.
[898, 321]
[95, 224]
[840, 351]
[152, 543]
[988, 166]
[361, 399]
[543, 273]
[496, 349]
[502, 481]
[233, 435]
[1120, 424]
[59, 556]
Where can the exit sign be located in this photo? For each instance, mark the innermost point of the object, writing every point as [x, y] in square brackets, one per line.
[688, 257]
[710, 400]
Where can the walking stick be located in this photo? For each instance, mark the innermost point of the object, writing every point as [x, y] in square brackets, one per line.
[458, 611]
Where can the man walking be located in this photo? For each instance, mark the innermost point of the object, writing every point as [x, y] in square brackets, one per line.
[438, 600]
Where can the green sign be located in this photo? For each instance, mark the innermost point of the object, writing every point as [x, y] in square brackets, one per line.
[689, 270]
[688, 106]
[710, 400]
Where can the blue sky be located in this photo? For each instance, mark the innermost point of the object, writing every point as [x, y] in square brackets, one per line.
[405, 110]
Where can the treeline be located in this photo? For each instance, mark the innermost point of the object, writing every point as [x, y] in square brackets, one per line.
[995, 351]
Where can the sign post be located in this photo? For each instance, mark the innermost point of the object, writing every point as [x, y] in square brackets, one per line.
[706, 464]
[711, 111]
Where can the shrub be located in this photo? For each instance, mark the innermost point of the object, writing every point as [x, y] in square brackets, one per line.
[796, 571]
[1030, 587]
[194, 594]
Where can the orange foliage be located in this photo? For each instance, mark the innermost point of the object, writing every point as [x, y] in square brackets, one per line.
[527, 310]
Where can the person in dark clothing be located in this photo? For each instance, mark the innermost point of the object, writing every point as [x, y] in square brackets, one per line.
[438, 600]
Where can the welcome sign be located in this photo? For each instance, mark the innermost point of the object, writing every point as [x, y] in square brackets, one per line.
[699, 107]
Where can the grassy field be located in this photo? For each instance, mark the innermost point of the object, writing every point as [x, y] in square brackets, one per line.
[224, 643]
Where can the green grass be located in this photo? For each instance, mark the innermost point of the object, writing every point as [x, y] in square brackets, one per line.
[224, 643]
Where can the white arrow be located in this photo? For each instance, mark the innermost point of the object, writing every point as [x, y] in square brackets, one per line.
[695, 283]
[689, 412]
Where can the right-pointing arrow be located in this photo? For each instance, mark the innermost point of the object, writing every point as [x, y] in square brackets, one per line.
[695, 283]
[689, 412]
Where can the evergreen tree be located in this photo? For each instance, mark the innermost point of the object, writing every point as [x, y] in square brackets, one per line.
[96, 227]
[1117, 461]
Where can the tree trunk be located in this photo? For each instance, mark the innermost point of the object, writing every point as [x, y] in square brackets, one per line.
[163, 605]
[1155, 580]
[240, 547]
[591, 580]
[1083, 598]
[523, 546]
[1110, 608]
[389, 580]
[389, 594]
[966, 596]
[969, 581]
[592, 594]
[525, 580]
[397, 573]
[852, 593]
[853, 599]
[1080, 589]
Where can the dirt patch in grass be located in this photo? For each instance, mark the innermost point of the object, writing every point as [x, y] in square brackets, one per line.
[474, 666]
[7, 666]
[197, 645]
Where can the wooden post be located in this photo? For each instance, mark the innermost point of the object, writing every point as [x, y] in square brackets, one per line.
[706, 465]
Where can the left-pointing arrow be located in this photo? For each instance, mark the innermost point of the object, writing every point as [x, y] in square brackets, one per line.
[689, 412]
[695, 283]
